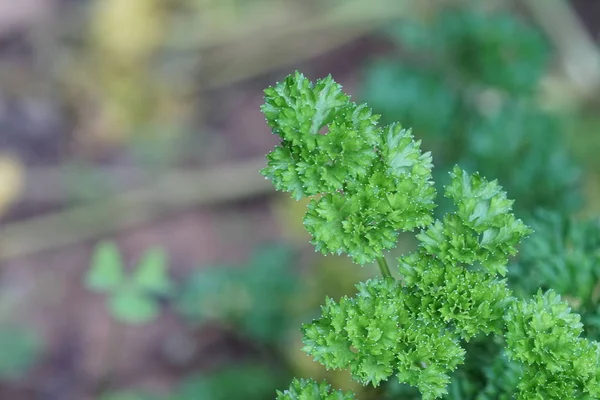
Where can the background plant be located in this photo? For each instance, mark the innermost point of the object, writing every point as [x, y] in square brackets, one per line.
[467, 81]
[131, 298]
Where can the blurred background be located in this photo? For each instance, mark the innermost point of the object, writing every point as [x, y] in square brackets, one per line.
[143, 256]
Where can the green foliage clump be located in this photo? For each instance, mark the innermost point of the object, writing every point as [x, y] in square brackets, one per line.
[377, 334]
[453, 287]
[242, 297]
[467, 83]
[481, 230]
[368, 182]
[544, 336]
[305, 389]
[20, 350]
[564, 255]
[477, 43]
[520, 137]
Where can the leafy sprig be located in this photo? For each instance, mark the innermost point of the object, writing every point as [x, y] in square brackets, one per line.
[367, 183]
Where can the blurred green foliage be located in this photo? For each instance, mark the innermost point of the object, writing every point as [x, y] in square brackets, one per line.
[131, 298]
[20, 350]
[254, 299]
[466, 82]
[243, 381]
[255, 302]
[129, 395]
[563, 255]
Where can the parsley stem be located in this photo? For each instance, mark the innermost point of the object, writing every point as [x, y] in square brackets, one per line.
[383, 267]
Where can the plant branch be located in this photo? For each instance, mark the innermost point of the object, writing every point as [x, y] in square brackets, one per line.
[167, 194]
[383, 267]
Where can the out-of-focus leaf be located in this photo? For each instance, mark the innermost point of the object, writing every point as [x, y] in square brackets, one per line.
[106, 270]
[132, 306]
[269, 276]
[211, 293]
[415, 35]
[129, 395]
[490, 48]
[255, 297]
[151, 273]
[564, 255]
[20, 350]
[416, 97]
[522, 147]
[496, 49]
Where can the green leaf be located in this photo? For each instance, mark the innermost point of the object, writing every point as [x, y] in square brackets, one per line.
[562, 255]
[133, 306]
[106, 270]
[151, 273]
[520, 137]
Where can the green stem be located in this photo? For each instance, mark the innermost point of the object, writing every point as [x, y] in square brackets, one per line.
[383, 267]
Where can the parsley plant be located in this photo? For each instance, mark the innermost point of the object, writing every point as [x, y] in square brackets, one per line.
[369, 182]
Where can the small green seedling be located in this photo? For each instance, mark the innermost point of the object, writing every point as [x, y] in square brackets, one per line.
[133, 298]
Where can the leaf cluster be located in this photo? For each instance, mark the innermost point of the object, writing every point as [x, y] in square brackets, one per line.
[366, 182]
[242, 297]
[453, 287]
[563, 255]
[544, 336]
[450, 292]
